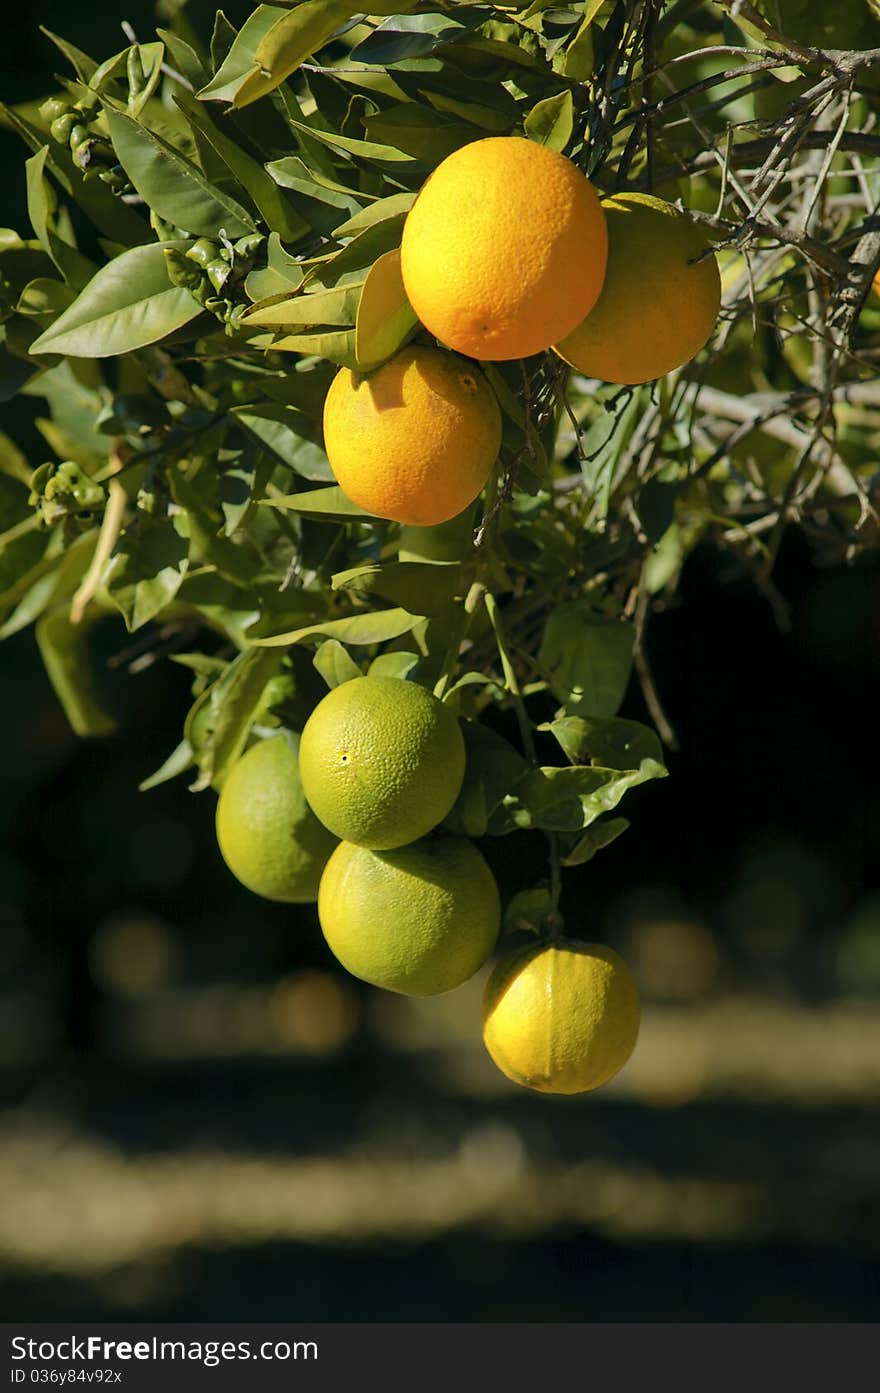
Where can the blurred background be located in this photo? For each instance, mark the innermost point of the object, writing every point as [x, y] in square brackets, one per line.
[203, 1117]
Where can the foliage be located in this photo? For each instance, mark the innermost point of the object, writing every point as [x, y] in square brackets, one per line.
[213, 223]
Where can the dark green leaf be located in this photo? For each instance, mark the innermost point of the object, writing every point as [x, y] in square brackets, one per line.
[228, 713]
[287, 434]
[589, 659]
[171, 184]
[421, 589]
[324, 504]
[596, 838]
[64, 650]
[145, 572]
[493, 769]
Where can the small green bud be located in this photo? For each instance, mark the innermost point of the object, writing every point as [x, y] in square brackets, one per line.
[249, 245]
[182, 272]
[78, 136]
[53, 108]
[203, 252]
[218, 273]
[62, 126]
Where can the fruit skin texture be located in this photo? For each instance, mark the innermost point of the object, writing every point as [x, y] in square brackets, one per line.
[420, 920]
[561, 1018]
[504, 249]
[415, 440]
[656, 311]
[382, 761]
[269, 837]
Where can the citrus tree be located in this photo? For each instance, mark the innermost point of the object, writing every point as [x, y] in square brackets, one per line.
[407, 355]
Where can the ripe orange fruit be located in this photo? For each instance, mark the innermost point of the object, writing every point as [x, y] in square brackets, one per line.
[382, 761]
[658, 305]
[415, 440]
[504, 249]
[268, 836]
[419, 920]
[561, 1018]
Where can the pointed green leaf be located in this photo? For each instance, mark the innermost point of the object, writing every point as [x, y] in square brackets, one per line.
[551, 121]
[177, 763]
[274, 208]
[327, 505]
[129, 303]
[335, 663]
[377, 627]
[280, 429]
[589, 659]
[421, 589]
[239, 61]
[64, 650]
[171, 184]
[595, 839]
[385, 318]
[394, 206]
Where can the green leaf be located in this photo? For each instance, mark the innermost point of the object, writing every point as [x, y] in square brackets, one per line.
[589, 659]
[83, 65]
[326, 505]
[42, 206]
[51, 581]
[566, 800]
[337, 346]
[405, 37]
[421, 589]
[184, 57]
[420, 131]
[360, 628]
[385, 318]
[289, 42]
[551, 121]
[321, 202]
[596, 838]
[614, 744]
[276, 211]
[147, 568]
[529, 910]
[384, 209]
[64, 650]
[605, 441]
[577, 61]
[177, 762]
[493, 769]
[338, 306]
[239, 61]
[399, 665]
[171, 184]
[230, 707]
[335, 663]
[364, 149]
[287, 434]
[128, 304]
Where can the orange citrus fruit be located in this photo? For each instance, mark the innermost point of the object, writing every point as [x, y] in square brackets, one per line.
[658, 305]
[415, 440]
[382, 761]
[561, 1018]
[268, 836]
[504, 249]
[420, 920]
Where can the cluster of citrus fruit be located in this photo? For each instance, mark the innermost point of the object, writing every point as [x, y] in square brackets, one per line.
[508, 251]
[349, 814]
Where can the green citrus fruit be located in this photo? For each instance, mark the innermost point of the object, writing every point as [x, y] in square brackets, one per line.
[561, 1018]
[269, 837]
[419, 920]
[382, 761]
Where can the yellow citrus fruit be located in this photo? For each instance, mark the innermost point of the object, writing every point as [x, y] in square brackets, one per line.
[269, 837]
[415, 440]
[561, 1018]
[382, 761]
[419, 920]
[504, 249]
[658, 305]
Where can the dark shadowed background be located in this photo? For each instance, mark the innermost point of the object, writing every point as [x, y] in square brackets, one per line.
[204, 1118]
